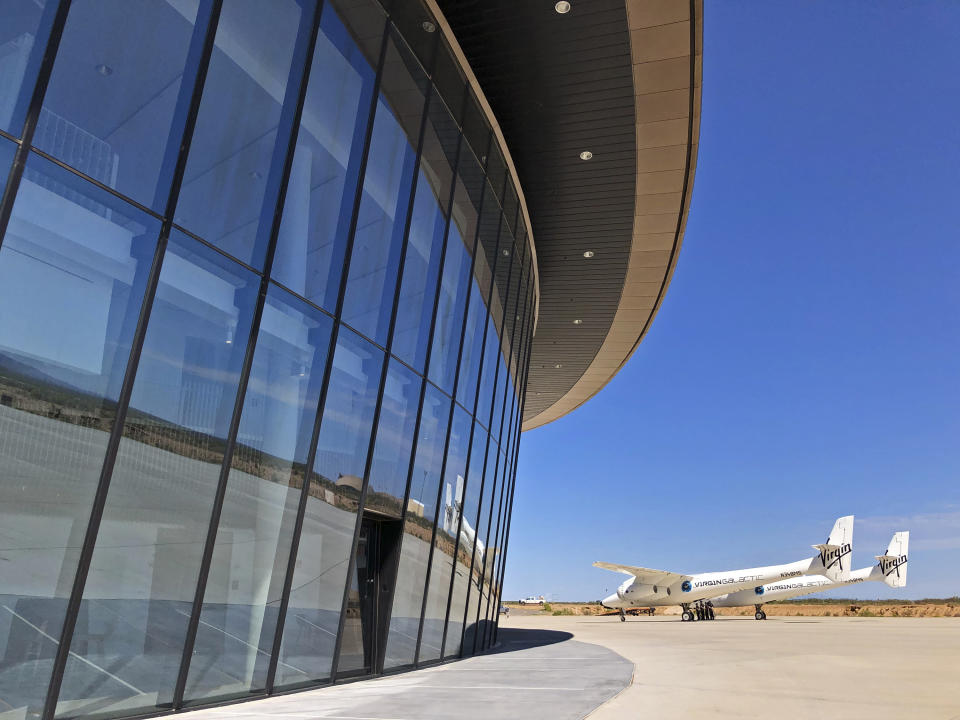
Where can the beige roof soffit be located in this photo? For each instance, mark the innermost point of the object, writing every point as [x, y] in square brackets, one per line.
[668, 134]
[498, 133]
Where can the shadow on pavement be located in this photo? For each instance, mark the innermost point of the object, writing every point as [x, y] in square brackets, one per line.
[513, 639]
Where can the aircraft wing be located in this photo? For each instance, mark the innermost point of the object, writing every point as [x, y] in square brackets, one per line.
[646, 576]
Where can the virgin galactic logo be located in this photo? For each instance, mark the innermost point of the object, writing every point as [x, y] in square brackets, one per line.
[685, 586]
[758, 589]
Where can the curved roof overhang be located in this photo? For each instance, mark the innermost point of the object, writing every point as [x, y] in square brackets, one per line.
[621, 79]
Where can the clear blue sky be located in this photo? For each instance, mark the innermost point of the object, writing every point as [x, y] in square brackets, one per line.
[805, 363]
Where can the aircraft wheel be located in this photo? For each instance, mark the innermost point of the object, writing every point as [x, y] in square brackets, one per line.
[763, 615]
[687, 616]
[760, 615]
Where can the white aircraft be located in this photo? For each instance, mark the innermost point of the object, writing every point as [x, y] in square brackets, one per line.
[891, 568]
[648, 587]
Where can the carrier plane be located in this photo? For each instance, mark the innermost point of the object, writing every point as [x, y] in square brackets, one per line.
[891, 568]
[647, 588]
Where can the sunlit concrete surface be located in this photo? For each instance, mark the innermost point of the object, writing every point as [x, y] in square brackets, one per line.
[532, 674]
[790, 668]
[793, 668]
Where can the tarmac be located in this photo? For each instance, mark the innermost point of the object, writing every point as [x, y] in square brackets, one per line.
[548, 667]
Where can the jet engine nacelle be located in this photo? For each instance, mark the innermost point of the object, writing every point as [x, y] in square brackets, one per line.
[638, 591]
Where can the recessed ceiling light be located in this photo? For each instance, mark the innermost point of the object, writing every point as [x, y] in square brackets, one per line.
[588, 254]
[578, 321]
[104, 70]
[562, 7]
[428, 26]
[586, 155]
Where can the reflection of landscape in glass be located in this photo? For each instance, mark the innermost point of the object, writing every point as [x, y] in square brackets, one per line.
[75, 265]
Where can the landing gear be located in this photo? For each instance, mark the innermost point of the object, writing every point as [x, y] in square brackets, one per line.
[759, 614]
[623, 615]
[686, 616]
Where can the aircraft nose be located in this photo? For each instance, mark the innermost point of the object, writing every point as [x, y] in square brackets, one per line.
[609, 602]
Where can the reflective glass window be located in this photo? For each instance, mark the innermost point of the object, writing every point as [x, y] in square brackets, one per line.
[479, 555]
[23, 41]
[7, 150]
[267, 473]
[493, 261]
[441, 564]
[73, 271]
[451, 305]
[126, 648]
[236, 130]
[448, 78]
[323, 178]
[316, 597]
[410, 18]
[387, 181]
[476, 320]
[497, 171]
[494, 546]
[421, 266]
[391, 452]
[475, 128]
[418, 530]
[468, 545]
[511, 204]
[116, 87]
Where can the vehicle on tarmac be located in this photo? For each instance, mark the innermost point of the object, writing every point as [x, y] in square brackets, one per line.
[651, 588]
[891, 568]
[532, 600]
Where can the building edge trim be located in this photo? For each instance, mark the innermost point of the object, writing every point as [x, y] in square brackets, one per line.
[587, 387]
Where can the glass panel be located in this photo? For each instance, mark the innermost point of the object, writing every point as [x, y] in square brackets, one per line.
[487, 376]
[23, 41]
[454, 287]
[418, 530]
[115, 88]
[74, 264]
[496, 420]
[391, 453]
[421, 266]
[320, 574]
[323, 178]
[126, 649]
[473, 603]
[494, 543]
[467, 547]
[417, 27]
[441, 566]
[239, 615]
[511, 203]
[7, 150]
[387, 181]
[479, 295]
[233, 143]
[475, 128]
[489, 540]
[448, 78]
[497, 171]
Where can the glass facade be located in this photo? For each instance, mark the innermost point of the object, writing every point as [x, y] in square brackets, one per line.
[266, 303]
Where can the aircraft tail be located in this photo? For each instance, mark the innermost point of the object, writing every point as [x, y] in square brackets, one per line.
[893, 563]
[837, 552]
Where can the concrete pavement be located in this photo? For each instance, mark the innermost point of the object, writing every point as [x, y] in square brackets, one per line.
[571, 667]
